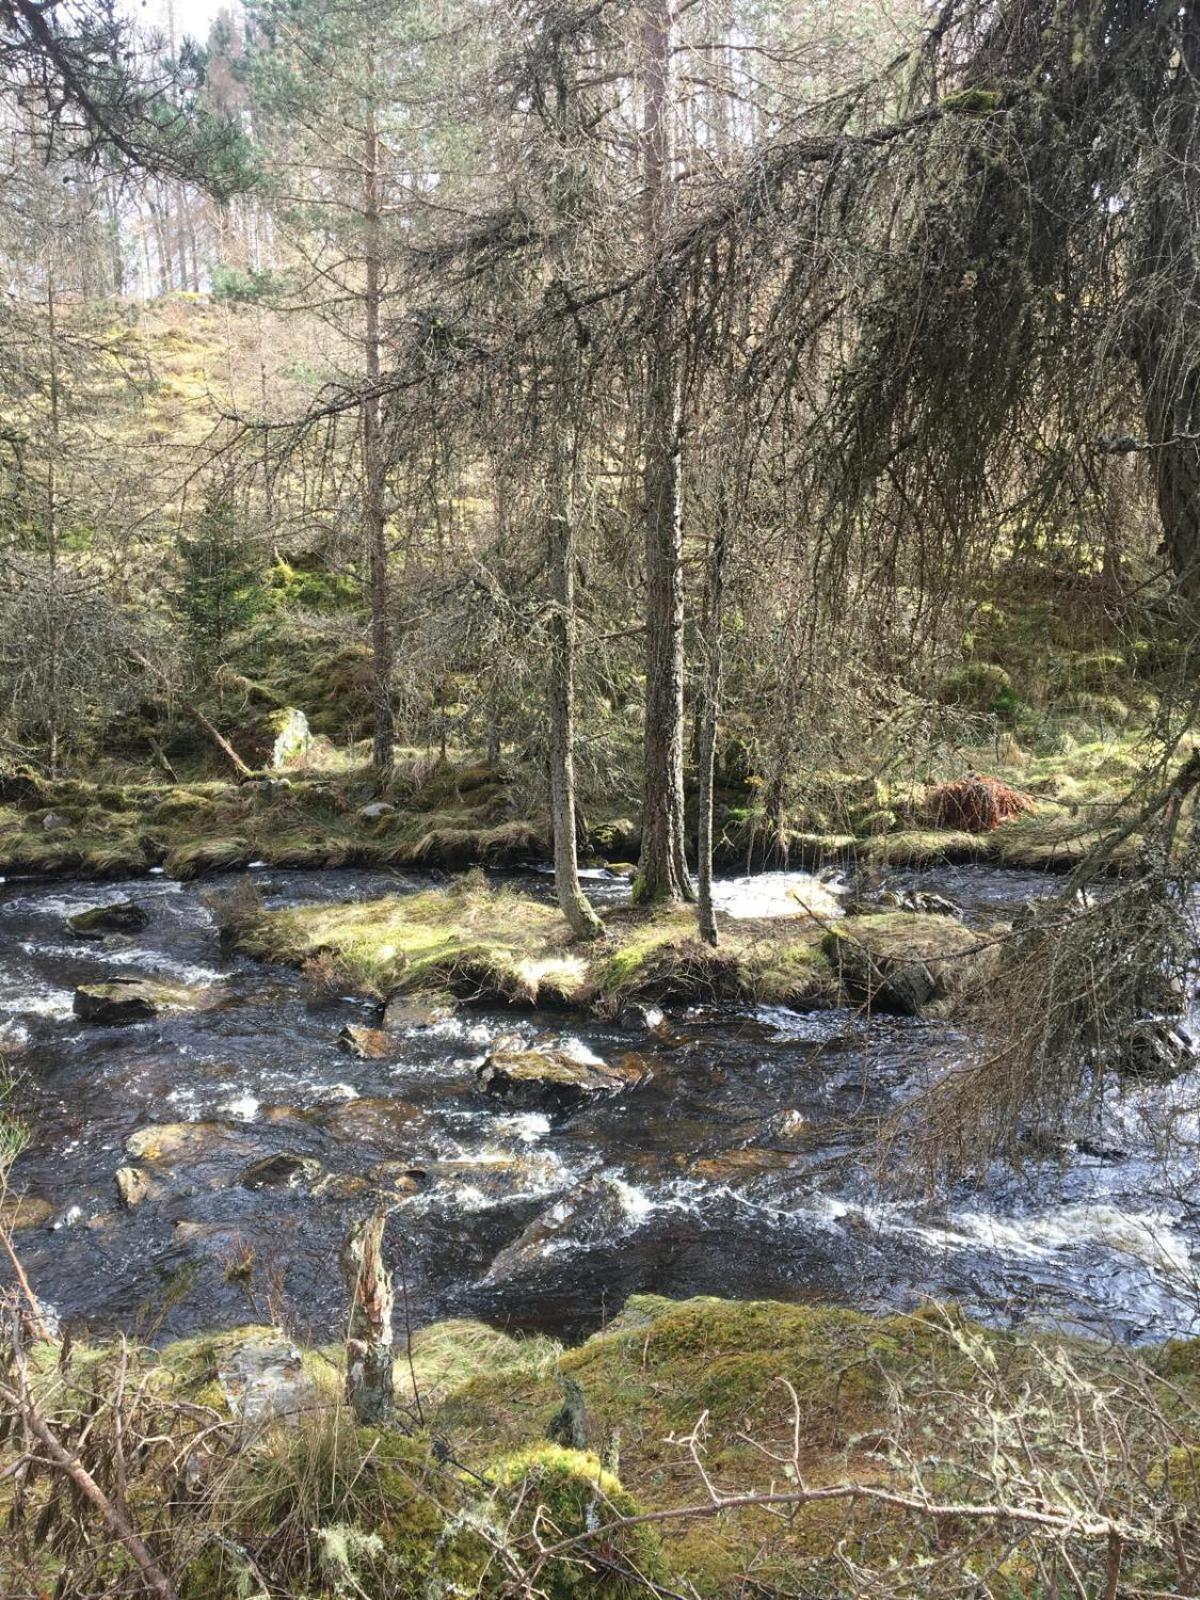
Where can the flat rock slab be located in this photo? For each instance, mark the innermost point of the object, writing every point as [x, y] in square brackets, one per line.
[124, 1000]
[551, 1080]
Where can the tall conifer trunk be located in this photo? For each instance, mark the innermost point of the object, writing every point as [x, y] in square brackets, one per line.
[374, 514]
[663, 872]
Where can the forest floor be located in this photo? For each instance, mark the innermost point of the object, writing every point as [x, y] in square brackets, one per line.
[457, 815]
[501, 1447]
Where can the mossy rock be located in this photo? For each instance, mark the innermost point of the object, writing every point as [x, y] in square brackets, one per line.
[901, 961]
[125, 1000]
[561, 1494]
[980, 686]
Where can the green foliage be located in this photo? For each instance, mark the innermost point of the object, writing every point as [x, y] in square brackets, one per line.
[220, 588]
[310, 588]
[246, 287]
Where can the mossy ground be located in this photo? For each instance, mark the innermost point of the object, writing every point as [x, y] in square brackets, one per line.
[480, 942]
[463, 813]
[326, 1508]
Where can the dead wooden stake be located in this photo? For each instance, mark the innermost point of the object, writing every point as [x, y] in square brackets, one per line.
[370, 1385]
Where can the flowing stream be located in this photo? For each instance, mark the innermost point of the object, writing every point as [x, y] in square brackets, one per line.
[742, 1163]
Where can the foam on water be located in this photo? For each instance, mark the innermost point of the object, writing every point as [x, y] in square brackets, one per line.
[776, 894]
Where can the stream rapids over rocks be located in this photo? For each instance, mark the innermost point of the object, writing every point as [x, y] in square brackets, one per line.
[740, 1161]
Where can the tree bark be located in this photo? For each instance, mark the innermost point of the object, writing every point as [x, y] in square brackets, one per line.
[370, 1383]
[710, 712]
[374, 467]
[1168, 276]
[663, 871]
[560, 690]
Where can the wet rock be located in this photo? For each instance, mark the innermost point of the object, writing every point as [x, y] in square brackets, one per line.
[920, 902]
[19, 1211]
[67, 1217]
[399, 1176]
[595, 1213]
[125, 917]
[132, 1186]
[642, 1018]
[623, 869]
[341, 1186]
[286, 1170]
[1108, 1153]
[404, 1012]
[1155, 1048]
[729, 1166]
[263, 1379]
[373, 1120]
[165, 1142]
[123, 1000]
[550, 1080]
[365, 1044]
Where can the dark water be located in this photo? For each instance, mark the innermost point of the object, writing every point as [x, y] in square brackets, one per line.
[741, 1164]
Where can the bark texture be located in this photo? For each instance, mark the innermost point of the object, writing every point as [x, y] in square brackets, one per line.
[663, 871]
[370, 1386]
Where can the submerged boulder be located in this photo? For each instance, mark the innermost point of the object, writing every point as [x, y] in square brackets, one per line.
[365, 1044]
[124, 917]
[551, 1080]
[285, 1170]
[122, 1000]
[132, 1186]
[24, 1211]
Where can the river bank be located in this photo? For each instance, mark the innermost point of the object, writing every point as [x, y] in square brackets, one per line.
[688, 1447]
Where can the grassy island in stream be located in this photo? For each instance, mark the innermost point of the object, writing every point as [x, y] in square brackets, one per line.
[924, 1456]
[478, 942]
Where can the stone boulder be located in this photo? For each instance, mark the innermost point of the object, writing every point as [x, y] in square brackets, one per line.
[900, 961]
[124, 917]
[552, 1080]
[1156, 1049]
[599, 1211]
[285, 1170]
[123, 1000]
[404, 1012]
[263, 1379]
[132, 1186]
[365, 1044]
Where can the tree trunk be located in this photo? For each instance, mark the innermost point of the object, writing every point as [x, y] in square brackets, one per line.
[370, 1384]
[663, 872]
[560, 690]
[711, 710]
[374, 469]
[1168, 278]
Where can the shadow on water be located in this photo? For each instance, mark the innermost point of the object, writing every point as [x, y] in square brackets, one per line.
[740, 1164]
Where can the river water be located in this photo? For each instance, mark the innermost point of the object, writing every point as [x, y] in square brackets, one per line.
[742, 1163]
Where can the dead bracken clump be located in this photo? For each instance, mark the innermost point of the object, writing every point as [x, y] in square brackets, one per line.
[975, 804]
